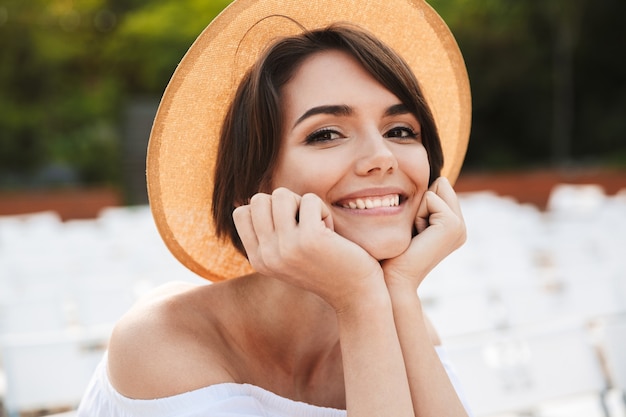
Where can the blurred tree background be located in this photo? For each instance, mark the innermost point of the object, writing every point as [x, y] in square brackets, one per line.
[548, 82]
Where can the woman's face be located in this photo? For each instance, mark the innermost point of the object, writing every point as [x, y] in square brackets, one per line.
[350, 141]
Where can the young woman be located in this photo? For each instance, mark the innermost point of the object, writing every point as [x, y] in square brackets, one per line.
[327, 177]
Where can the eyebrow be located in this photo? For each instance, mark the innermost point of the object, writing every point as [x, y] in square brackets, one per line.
[397, 109]
[335, 110]
[344, 110]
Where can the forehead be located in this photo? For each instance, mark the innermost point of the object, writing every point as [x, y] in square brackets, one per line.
[329, 78]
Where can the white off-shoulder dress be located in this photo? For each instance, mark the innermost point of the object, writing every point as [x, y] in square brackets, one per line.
[220, 400]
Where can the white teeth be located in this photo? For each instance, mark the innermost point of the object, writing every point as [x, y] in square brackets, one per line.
[371, 202]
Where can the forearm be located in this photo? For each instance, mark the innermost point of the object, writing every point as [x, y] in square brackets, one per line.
[431, 390]
[375, 377]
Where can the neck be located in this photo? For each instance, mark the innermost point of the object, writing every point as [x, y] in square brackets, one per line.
[290, 319]
[292, 332]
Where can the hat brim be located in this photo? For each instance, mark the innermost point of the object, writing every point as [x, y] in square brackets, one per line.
[183, 143]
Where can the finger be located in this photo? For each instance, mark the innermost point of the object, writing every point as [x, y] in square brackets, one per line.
[313, 210]
[285, 206]
[431, 205]
[261, 215]
[443, 189]
[243, 223]
[423, 214]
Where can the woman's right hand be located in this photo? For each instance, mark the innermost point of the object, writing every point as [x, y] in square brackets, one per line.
[291, 237]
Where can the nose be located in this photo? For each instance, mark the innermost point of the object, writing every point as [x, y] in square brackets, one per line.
[375, 156]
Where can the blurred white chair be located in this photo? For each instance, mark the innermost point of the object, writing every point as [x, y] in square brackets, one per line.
[517, 371]
[613, 347]
[16, 228]
[574, 302]
[457, 314]
[576, 200]
[47, 370]
[101, 306]
[31, 313]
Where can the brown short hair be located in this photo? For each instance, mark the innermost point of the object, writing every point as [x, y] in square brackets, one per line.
[250, 138]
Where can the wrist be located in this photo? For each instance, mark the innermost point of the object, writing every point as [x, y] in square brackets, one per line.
[403, 295]
[398, 283]
[373, 302]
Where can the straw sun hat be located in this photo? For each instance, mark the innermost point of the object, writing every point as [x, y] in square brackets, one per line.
[184, 138]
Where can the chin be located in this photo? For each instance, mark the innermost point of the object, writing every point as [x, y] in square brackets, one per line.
[382, 250]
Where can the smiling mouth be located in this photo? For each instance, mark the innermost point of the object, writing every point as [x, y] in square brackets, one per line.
[369, 203]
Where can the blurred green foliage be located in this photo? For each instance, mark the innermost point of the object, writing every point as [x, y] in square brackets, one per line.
[68, 69]
[547, 79]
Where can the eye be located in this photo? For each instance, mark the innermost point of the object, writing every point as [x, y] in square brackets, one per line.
[323, 135]
[402, 132]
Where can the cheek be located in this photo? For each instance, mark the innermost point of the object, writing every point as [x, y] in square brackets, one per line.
[307, 175]
[415, 165]
[292, 177]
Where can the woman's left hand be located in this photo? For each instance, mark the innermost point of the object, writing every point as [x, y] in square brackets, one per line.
[440, 231]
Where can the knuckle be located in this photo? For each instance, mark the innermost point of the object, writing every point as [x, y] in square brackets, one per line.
[309, 197]
[280, 191]
[258, 198]
[239, 213]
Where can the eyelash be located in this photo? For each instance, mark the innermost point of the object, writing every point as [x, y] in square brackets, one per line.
[410, 133]
[321, 136]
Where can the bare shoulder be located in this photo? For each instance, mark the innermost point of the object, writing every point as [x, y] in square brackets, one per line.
[167, 344]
